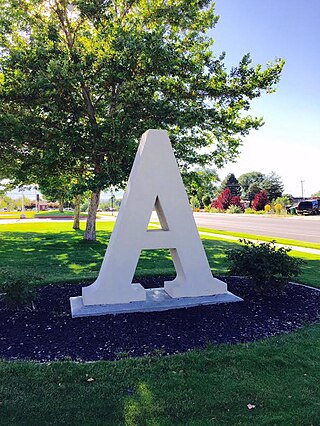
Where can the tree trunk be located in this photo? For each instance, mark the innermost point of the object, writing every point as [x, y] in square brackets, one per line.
[76, 214]
[90, 234]
[61, 203]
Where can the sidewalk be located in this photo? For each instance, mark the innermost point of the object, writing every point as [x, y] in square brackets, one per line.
[295, 248]
[232, 238]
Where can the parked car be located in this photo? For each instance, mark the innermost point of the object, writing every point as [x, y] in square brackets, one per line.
[308, 207]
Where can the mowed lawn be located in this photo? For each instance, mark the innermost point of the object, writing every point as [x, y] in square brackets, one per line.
[278, 376]
[59, 255]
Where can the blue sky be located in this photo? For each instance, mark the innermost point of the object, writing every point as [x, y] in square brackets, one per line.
[289, 142]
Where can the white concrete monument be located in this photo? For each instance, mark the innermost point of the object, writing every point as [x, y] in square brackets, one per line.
[154, 182]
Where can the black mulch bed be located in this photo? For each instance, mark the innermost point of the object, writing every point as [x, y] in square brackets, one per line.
[49, 332]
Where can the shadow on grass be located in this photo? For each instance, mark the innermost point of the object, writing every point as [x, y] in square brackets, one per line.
[66, 257]
[56, 257]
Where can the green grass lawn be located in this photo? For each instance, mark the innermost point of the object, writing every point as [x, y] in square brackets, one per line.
[284, 241]
[59, 254]
[16, 215]
[57, 213]
[279, 375]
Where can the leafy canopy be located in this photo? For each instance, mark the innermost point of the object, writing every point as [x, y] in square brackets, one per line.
[80, 81]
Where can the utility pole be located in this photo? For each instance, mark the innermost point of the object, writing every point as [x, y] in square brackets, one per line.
[22, 216]
[302, 188]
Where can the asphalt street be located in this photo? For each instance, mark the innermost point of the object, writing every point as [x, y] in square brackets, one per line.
[301, 228]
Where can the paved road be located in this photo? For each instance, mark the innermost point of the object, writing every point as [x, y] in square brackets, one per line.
[306, 228]
[299, 228]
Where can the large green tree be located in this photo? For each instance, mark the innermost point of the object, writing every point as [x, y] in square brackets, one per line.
[272, 184]
[231, 182]
[81, 80]
[248, 179]
[201, 182]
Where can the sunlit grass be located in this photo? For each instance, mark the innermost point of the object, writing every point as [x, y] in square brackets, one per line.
[60, 255]
[279, 376]
[16, 215]
[284, 241]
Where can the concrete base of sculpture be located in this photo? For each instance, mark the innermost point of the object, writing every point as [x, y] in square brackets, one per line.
[157, 299]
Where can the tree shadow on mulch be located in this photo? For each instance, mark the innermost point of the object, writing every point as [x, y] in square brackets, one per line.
[49, 332]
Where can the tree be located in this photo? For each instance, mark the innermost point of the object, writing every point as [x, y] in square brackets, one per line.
[194, 202]
[62, 188]
[226, 199]
[316, 194]
[285, 200]
[231, 182]
[206, 200]
[201, 182]
[246, 181]
[273, 186]
[252, 191]
[260, 201]
[81, 80]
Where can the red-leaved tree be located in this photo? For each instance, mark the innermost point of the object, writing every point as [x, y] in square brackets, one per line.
[225, 200]
[260, 200]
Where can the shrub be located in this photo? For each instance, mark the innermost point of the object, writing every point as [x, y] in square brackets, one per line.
[267, 208]
[249, 211]
[17, 288]
[285, 200]
[260, 200]
[278, 208]
[214, 210]
[225, 200]
[267, 265]
[206, 201]
[234, 209]
[194, 202]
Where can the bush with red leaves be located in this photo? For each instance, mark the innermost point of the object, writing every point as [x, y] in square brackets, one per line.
[260, 200]
[225, 200]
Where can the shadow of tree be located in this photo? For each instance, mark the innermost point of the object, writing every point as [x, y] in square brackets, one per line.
[65, 257]
[57, 257]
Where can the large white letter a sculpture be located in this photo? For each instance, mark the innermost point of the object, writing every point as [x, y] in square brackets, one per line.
[155, 181]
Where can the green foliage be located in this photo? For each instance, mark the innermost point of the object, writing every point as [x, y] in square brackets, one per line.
[206, 200]
[251, 180]
[234, 209]
[273, 186]
[84, 206]
[111, 203]
[215, 210]
[78, 88]
[194, 202]
[286, 200]
[17, 287]
[279, 375]
[12, 203]
[252, 191]
[80, 83]
[249, 210]
[232, 183]
[254, 182]
[267, 265]
[201, 182]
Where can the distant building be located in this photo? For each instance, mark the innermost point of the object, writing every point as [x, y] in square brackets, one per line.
[42, 205]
